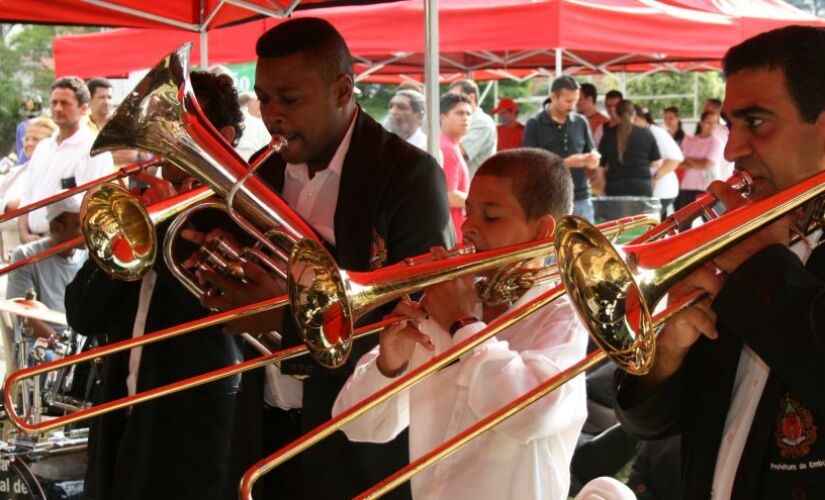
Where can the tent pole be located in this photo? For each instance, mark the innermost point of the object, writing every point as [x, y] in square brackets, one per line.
[559, 63]
[431, 47]
[695, 95]
[204, 37]
[204, 50]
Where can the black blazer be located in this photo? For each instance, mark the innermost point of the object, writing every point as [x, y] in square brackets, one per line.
[774, 305]
[392, 204]
[174, 447]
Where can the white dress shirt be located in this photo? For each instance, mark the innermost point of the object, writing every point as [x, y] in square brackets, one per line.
[254, 136]
[147, 288]
[751, 376]
[527, 456]
[314, 200]
[667, 187]
[418, 139]
[52, 164]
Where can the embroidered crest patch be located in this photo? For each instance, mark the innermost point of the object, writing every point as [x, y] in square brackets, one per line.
[378, 251]
[795, 429]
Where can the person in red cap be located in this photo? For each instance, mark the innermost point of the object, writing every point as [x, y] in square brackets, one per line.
[510, 130]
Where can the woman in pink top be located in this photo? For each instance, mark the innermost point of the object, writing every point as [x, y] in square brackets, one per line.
[456, 111]
[703, 155]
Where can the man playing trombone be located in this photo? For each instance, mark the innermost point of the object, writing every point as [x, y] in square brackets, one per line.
[740, 375]
[514, 198]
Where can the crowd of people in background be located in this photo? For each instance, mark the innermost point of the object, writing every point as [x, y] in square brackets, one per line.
[621, 152]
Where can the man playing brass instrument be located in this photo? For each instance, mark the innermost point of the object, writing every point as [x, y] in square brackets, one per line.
[175, 447]
[374, 199]
[740, 375]
[515, 197]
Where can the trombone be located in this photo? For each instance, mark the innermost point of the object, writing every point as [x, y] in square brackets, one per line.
[122, 173]
[428, 271]
[615, 288]
[351, 293]
[487, 423]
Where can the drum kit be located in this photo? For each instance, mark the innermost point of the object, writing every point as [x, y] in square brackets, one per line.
[51, 465]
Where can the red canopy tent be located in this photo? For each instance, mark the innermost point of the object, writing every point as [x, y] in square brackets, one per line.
[474, 35]
[196, 16]
[191, 15]
[755, 16]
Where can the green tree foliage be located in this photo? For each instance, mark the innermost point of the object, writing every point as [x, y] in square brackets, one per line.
[375, 98]
[25, 70]
[710, 85]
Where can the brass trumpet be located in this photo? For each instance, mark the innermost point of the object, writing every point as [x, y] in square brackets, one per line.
[120, 232]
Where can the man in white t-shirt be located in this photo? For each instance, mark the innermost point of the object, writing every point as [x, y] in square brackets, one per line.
[61, 161]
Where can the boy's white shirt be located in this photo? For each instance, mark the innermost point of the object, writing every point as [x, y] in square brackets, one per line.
[527, 456]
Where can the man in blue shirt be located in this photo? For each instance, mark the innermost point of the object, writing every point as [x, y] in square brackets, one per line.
[560, 130]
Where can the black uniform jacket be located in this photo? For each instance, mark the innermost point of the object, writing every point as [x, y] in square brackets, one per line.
[773, 304]
[175, 447]
[392, 204]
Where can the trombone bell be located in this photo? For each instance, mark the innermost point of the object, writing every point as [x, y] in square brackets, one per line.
[318, 295]
[598, 280]
[118, 231]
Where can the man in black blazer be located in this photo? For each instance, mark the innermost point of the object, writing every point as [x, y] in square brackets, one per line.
[372, 197]
[741, 375]
[176, 447]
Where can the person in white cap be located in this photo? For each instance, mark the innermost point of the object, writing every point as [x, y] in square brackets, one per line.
[49, 277]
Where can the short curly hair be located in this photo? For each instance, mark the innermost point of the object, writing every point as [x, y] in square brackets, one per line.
[540, 181]
[76, 85]
[794, 50]
[218, 99]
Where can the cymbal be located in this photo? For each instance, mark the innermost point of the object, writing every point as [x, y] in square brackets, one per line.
[33, 309]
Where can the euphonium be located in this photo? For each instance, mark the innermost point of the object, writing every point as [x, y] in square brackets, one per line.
[162, 116]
